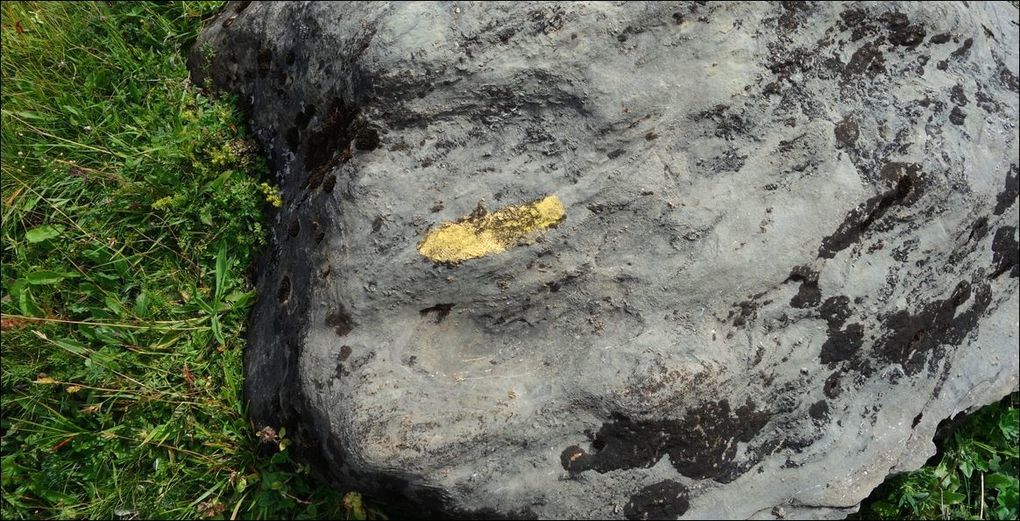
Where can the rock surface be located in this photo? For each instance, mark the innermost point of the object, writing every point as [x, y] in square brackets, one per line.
[789, 247]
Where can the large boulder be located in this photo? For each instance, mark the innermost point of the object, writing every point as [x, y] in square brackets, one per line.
[614, 260]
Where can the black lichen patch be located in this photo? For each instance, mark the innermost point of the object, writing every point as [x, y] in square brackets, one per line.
[902, 32]
[964, 49]
[746, 311]
[616, 153]
[367, 139]
[341, 322]
[835, 311]
[860, 218]
[1004, 253]
[283, 291]
[1009, 194]
[831, 387]
[727, 122]
[264, 61]
[303, 117]
[808, 296]
[819, 410]
[846, 133]
[702, 445]
[978, 230]
[663, 500]
[1008, 79]
[842, 344]
[338, 128]
[867, 61]
[957, 96]
[910, 337]
[957, 116]
[329, 183]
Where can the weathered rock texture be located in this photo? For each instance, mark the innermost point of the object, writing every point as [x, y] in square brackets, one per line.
[789, 249]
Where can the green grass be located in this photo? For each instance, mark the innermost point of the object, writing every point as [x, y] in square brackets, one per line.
[132, 208]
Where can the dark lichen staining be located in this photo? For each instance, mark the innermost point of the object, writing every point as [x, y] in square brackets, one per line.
[846, 132]
[867, 61]
[726, 123]
[283, 292]
[663, 500]
[819, 410]
[329, 183]
[334, 134]
[902, 32]
[910, 337]
[264, 60]
[436, 313]
[842, 343]
[957, 96]
[940, 38]
[861, 218]
[701, 445]
[293, 138]
[304, 116]
[835, 311]
[809, 295]
[986, 102]
[1004, 253]
[318, 232]
[1008, 79]
[1009, 194]
[957, 116]
[855, 19]
[616, 153]
[978, 230]
[964, 49]
[745, 312]
[345, 352]
[831, 388]
[341, 322]
[367, 139]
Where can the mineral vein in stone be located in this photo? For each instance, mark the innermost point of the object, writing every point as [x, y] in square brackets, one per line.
[479, 235]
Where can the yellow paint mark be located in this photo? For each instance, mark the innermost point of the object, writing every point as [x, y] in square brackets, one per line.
[483, 233]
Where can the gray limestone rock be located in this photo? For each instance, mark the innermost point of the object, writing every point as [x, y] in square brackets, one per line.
[788, 248]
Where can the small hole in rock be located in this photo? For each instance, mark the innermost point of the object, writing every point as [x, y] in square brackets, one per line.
[294, 228]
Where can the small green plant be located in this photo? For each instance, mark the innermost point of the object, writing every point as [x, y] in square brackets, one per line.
[975, 478]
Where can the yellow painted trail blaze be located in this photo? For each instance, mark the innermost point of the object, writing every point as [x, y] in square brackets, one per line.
[479, 235]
